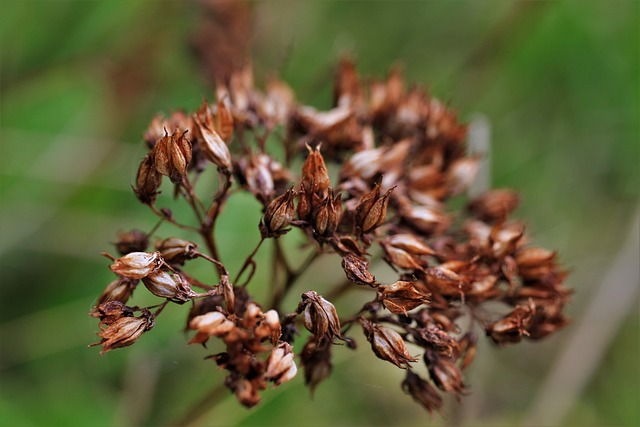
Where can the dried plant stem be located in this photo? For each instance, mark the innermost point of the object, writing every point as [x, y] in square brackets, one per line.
[291, 275]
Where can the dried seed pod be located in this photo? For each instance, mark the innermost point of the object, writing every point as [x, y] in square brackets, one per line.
[372, 210]
[224, 121]
[111, 311]
[422, 392]
[387, 344]
[401, 297]
[320, 317]
[148, 181]
[211, 143]
[315, 179]
[269, 327]
[131, 241]
[172, 155]
[137, 265]
[124, 332]
[176, 251]
[357, 270]
[280, 365]
[316, 361]
[278, 215]
[120, 290]
[494, 205]
[531, 257]
[164, 285]
[436, 338]
[210, 324]
[444, 373]
[326, 217]
[512, 327]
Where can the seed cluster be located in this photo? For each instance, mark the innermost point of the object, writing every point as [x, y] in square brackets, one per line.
[399, 157]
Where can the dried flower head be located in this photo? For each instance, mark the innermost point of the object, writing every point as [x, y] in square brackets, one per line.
[399, 155]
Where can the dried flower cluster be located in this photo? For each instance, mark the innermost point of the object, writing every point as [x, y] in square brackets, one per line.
[399, 155]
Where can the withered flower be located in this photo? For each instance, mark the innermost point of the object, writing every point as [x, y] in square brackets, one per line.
[172, 155]
[444, 373]
[495, 204]
[164, 285]
[124, 332]
[513, 326]
[387, 344]
[209, 325]
[137, 265]
[280, 365]
[372, 210]
[357, 270]
[278, 215]
[176, 251]
[327, 215]
[315, 179]
[111, 311]
[132, 241]
[120, 290]
[399, 297]
[316, 361]
[148, 181]
[211, 143]
[320, 317]
[422, 392]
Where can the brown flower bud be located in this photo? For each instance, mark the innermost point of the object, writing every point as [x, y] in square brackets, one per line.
[320, 317]
[422, 392]
[401, 297]
[315, 179]
[148, 181]
[278, 215]
[124, 332]
[326, 217]
[444, 373]
[163, 285]
[304, 204]
[255, 173]
[494, 205]
[280, 365]
[137, 265]
[316, 361]
[176, 251]
[513, 326]
[357, 270]
[132, 241]
[372, 210]
[210, 324]
[387, 344]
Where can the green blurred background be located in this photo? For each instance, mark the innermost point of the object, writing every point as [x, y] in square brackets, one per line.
[556, 81]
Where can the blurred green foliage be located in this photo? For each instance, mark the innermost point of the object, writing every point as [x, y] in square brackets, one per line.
[558, 81]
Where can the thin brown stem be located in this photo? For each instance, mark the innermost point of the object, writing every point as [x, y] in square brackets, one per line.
[249, 262]
[170, 219]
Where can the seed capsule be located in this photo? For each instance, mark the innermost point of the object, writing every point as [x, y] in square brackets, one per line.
[137, 265]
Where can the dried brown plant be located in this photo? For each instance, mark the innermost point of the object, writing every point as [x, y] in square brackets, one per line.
[401, 156]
